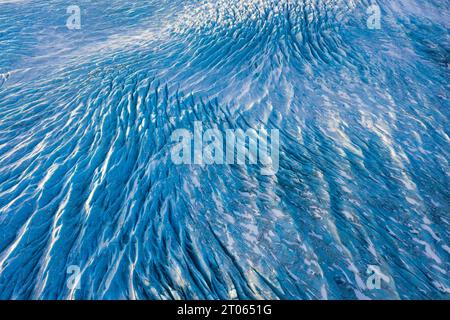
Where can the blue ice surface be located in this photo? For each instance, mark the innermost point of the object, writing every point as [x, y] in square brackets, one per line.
[87, 182]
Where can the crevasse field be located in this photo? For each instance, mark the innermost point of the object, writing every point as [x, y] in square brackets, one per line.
[88, 187]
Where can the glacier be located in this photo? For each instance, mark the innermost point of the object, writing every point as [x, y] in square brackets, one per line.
[87, 184]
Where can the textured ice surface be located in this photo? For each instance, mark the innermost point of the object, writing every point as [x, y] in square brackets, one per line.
[86, 177]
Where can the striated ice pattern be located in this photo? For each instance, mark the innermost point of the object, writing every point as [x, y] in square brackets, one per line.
[86, 177]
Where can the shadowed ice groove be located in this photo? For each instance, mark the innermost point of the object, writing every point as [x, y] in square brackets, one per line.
[86, 177]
